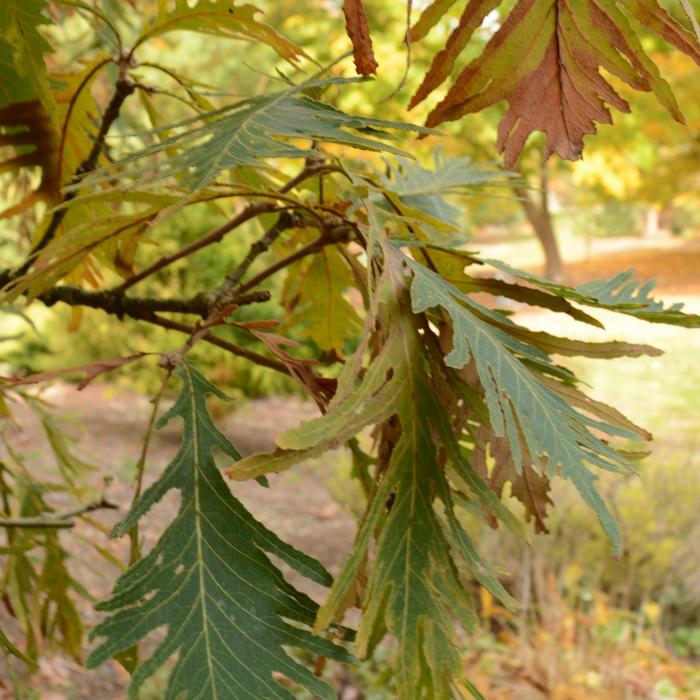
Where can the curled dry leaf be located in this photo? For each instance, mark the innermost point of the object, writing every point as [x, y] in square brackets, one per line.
[357, 27]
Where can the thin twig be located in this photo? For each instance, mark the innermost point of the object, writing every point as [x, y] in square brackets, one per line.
[134, 548]
[114, 303]
[326, 238]
[284, 222]
[219, 342]
[214, 236]
[123, 88]
[60, 520]
[310, 171]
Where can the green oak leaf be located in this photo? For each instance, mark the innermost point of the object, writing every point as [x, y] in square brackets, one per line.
[249, 133]
[558, 437]
[228, 611]
[621, 293]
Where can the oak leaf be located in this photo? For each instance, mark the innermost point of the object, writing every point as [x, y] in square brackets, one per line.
[545, 60]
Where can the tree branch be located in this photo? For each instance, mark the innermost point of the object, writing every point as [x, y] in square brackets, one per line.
[114, 303]
[306, 173]
[143, 309]
[327, 237]
[223, 295]
[214, 236]
[59, 520]
[219, 342]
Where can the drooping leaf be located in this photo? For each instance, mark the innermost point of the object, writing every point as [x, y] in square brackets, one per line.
[252, 131]
[545, 61]
[413, 585]
[228, 611]
[413, 588]
[357, 28]
[558, 438]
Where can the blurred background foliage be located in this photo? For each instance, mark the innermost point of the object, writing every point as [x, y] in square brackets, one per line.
[637, 187]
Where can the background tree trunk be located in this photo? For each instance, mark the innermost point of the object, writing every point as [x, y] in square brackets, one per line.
[541, 221]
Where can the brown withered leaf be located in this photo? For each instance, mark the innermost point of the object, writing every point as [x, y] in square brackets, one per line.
[357, 27]
[545, 61]
[444, 61]
[529, 486]
[91, 371]
[320, 388]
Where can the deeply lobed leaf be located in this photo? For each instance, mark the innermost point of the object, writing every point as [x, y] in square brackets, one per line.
[545, 60]
[558, 438]
[228, 610]
[622, 294]
[251, 132]
[414, 587]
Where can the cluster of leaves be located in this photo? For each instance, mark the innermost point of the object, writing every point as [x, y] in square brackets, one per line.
[545, 61]
[460, 398]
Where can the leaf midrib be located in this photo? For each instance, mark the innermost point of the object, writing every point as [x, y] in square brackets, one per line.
[198, 531]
